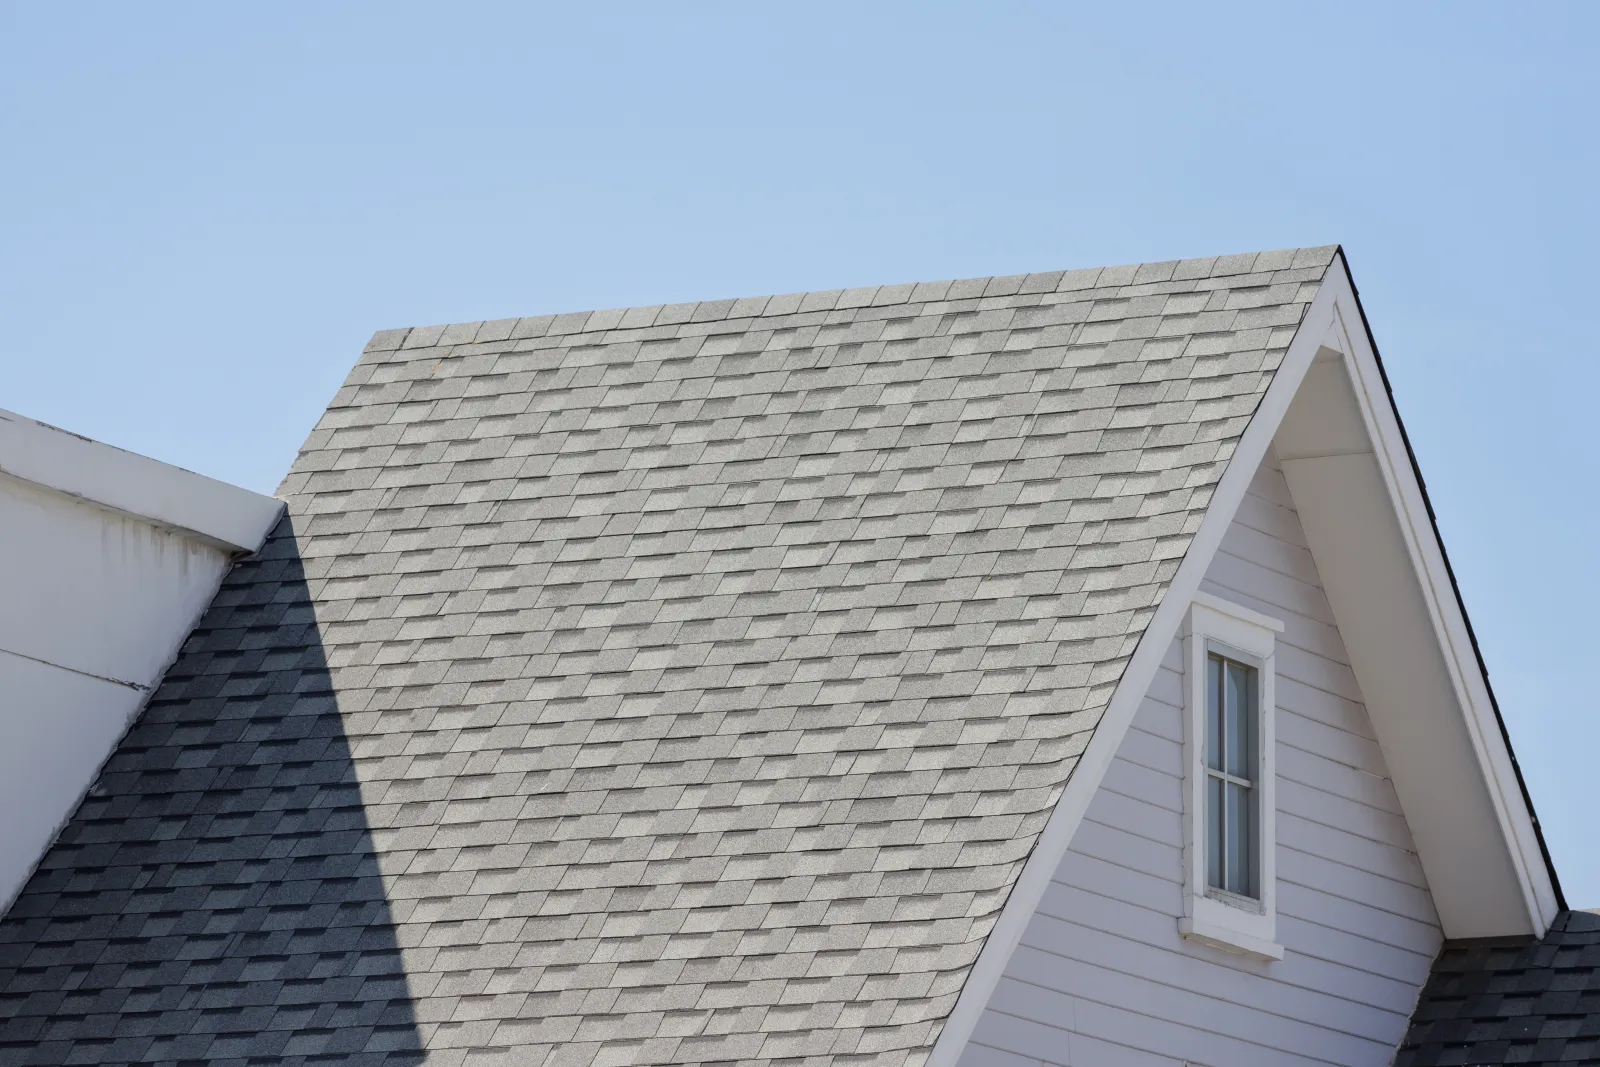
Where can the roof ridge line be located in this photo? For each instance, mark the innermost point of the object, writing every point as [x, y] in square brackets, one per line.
[394, 339]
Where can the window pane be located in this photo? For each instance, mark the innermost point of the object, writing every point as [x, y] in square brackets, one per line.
[1214, 712]
[1214, 832]
[1239, 729]
[1232, 732]
[1239, 836]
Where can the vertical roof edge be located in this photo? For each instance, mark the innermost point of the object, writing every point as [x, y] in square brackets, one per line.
[1342, 260]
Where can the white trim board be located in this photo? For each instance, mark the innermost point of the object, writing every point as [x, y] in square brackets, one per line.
[225, 516]
[1362, 509]
[1325, 337]
[1221, 920]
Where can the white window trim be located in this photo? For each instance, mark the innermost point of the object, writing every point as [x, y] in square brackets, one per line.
[1210, 916]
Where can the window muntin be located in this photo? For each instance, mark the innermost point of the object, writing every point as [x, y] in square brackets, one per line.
[1232, 799]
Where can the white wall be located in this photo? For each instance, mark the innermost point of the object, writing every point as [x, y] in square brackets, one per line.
[93, 606]
[1101, 976]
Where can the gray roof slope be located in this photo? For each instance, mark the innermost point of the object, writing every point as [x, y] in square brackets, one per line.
[707, 672]
[1502, 1001]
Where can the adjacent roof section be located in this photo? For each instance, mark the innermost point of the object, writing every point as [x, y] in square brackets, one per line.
[107, 559]
[1502, 1002]
[707, 673]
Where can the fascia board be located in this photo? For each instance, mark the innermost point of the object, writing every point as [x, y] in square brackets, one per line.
[1092, 766]
[1513, 807]
[225, 516]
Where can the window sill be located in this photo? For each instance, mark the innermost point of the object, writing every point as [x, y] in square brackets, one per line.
[1218, 935]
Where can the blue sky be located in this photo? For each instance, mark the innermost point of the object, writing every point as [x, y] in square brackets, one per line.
[206, 209]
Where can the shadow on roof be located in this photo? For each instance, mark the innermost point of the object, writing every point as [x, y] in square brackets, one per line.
[216, 898]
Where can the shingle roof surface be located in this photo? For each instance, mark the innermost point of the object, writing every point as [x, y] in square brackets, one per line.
[1498, 1003]
[665, 685]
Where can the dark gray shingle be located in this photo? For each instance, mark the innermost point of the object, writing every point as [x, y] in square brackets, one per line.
[1501, 1001]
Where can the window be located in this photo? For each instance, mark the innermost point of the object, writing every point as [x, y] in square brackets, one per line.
[1230, 762]
[1230, 898]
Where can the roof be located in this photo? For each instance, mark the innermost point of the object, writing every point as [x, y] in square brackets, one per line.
[667, 685]
[1500, 1001]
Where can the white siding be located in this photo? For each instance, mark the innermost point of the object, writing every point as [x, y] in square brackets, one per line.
[1101, 976]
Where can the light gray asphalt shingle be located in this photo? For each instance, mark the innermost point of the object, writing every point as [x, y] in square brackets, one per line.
[664, 685]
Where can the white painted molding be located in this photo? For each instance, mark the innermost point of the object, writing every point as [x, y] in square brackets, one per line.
[1216, 624]
[1164, 625]
[1444, 606]
[1229, 940]
[1238, 611]
[233, 519]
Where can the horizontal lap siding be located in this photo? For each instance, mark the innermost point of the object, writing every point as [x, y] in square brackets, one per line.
[1101, 975]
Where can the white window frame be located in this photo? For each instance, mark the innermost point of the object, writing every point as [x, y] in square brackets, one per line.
[1212, 916]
